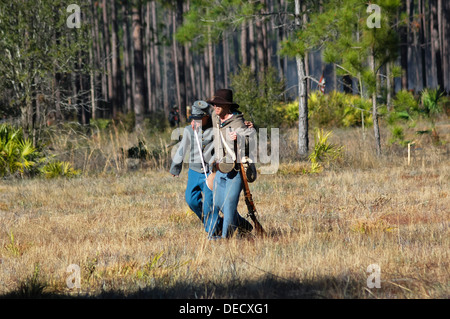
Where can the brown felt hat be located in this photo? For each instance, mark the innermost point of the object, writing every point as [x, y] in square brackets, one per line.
[223, 97]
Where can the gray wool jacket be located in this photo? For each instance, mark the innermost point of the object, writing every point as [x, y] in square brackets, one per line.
[189, 143]
[246, 137]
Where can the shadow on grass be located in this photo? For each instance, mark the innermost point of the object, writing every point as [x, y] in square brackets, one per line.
[268, 287]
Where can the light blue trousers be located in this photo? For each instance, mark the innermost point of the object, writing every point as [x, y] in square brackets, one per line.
[226, 191]
[200, 200]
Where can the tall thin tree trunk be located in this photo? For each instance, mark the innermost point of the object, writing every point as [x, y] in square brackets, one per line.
[149, 59]
[445, 43]
[436, 57]
[157, 72]
[244, 55]
[92, 62]
[92, 82]
[423, 43]
[376, 128]
[190, 76]
[251, 44]
[212, 78]
[139, 100]
[115, 68]
[107, 43]
[58, 116]
[416, 48]
[175, 63]
[303, 139]
[404, 49]
[204, 71]
[226, 59]
[181, 63]
[165, 84]
[261, 51]
[126, 59]
[389, 86]
[101, 60]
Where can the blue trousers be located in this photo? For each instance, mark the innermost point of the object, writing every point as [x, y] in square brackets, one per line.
[200, 198]
[226, 191]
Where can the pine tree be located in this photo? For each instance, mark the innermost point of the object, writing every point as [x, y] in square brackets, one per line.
[38, 48]
[358, 40]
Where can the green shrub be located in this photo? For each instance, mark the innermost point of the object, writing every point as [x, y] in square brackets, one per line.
[398, 136]
[335, 109]
[101, 124]
[405, 107]
[56, 169]
[431, 105]
[323, 150]
[288, 112]
[18, 157]
[259, 98]
[17, 154]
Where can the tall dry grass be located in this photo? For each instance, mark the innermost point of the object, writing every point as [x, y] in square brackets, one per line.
[132, 234]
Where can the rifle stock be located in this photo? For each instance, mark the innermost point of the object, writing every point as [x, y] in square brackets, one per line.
[250, 204]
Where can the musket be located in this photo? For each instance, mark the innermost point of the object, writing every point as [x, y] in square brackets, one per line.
[250, 204]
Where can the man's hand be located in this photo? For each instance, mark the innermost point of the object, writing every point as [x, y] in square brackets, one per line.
[248, 124]
[196, 124]
[232, 135]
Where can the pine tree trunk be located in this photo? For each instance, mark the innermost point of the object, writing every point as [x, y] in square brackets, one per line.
[251, 45]
[106, 41]
[376, 128]
[149, 59]
[423, 43]
[101, 60]
[181, 63]
[116, 75]
[410, 38]
[165, 84]
[303, 140]
[389, 86]
[260, 49]
[139, 100]
[445, 43]
[157, 72]
[212, 78]
[92, 82]
[244, 55]
[175, 63]
[226, 60]
[436, 57]
[190, 76]
[126, 59]
[404, 50]
[92, 62]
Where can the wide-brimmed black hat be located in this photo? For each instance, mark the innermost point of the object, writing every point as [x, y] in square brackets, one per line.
[223, 97]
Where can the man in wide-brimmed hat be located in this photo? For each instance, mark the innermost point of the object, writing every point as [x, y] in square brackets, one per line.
[223, 97]
[228, 123]
[198, 196]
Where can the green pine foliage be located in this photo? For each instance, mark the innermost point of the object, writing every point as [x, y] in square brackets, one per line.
[259, 97]
[341, 31]
[206, 20]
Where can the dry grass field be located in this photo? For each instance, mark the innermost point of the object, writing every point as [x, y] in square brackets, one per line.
[133, 236]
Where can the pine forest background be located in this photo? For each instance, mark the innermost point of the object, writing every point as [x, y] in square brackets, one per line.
[362, 178]
[145, 57]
